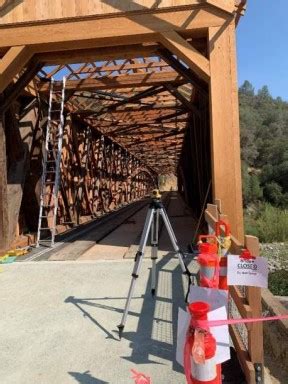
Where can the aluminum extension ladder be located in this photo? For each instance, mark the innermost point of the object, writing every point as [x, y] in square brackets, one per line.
[51, 165]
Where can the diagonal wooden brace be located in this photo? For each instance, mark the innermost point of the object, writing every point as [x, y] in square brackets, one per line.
[186, 52]
[12, 63]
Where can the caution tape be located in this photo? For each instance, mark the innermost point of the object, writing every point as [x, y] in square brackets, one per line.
[204, 324]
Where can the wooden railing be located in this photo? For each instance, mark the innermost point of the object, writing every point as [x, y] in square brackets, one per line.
[248, 343]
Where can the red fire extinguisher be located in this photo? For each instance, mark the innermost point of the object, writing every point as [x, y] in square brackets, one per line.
[225, 244]
[208, 261]
[200, 348]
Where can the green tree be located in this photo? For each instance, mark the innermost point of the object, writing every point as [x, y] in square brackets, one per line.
[247, 88]
[264, 146]
[264, 93]
[256, 191]
[273, 193]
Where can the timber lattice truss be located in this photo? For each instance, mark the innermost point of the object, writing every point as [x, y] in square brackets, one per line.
[148, 77]
[141, 103]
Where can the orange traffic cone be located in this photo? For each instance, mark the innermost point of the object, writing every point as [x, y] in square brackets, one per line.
[200, 349]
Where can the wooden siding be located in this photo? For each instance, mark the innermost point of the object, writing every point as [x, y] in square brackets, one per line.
[15, 11]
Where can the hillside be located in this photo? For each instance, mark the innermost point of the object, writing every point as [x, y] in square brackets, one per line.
[264, 144]
[264, 151]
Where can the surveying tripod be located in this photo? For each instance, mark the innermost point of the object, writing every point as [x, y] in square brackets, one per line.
[156, 209]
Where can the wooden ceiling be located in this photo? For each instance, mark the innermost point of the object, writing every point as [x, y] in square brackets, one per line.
[141, 103]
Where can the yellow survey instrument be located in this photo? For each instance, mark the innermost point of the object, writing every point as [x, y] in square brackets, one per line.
[156, 194]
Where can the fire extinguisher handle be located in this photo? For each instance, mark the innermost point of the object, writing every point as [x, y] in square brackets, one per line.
[224, 224]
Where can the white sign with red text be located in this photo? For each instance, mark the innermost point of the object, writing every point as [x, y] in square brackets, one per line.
[251, 272]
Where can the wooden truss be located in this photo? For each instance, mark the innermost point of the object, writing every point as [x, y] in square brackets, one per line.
[145, 94]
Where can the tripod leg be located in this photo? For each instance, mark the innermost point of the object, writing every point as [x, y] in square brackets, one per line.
[154, 249]
[179, 253]
[138, 261]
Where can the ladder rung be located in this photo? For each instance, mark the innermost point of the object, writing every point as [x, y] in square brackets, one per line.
[52, 158]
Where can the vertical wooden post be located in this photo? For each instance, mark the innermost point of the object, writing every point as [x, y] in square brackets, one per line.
[224, 116]
[255, 334]
[25, 128]
[4, 217]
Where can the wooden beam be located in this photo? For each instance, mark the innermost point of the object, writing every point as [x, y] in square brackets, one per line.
[14, 90]
[224, 119]
[123, 67]
[186, 52]
[186, 103]
[141, 95]
[187, 73]
[93, 54]
[12, 63]
[128, 110]
[92, 32]
[18, 169]
[255, 335]
[174, 133]
[4, 215]
[225, 5]
[121, 81]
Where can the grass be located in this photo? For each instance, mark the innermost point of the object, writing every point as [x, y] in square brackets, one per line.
[278, 282]
[269, 224]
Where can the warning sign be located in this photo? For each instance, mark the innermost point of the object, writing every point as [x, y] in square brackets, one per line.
[251, 272]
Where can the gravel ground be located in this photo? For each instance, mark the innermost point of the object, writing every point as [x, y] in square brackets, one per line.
[277, 254]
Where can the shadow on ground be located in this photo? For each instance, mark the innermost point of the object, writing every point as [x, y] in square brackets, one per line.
[86, 378]
[157, 326]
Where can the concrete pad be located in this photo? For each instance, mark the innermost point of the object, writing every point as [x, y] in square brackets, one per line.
[58, 323]
[104, 252]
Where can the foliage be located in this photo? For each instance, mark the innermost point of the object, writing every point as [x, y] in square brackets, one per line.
[268, 223]
[252, 191]
[264, 146]
[278, 282]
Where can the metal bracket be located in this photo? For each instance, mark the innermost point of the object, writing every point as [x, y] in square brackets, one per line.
[259, 373]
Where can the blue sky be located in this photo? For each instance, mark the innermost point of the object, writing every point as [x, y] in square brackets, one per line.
[262, 40]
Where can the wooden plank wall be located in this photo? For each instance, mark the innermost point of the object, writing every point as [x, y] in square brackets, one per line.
[15, 11]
